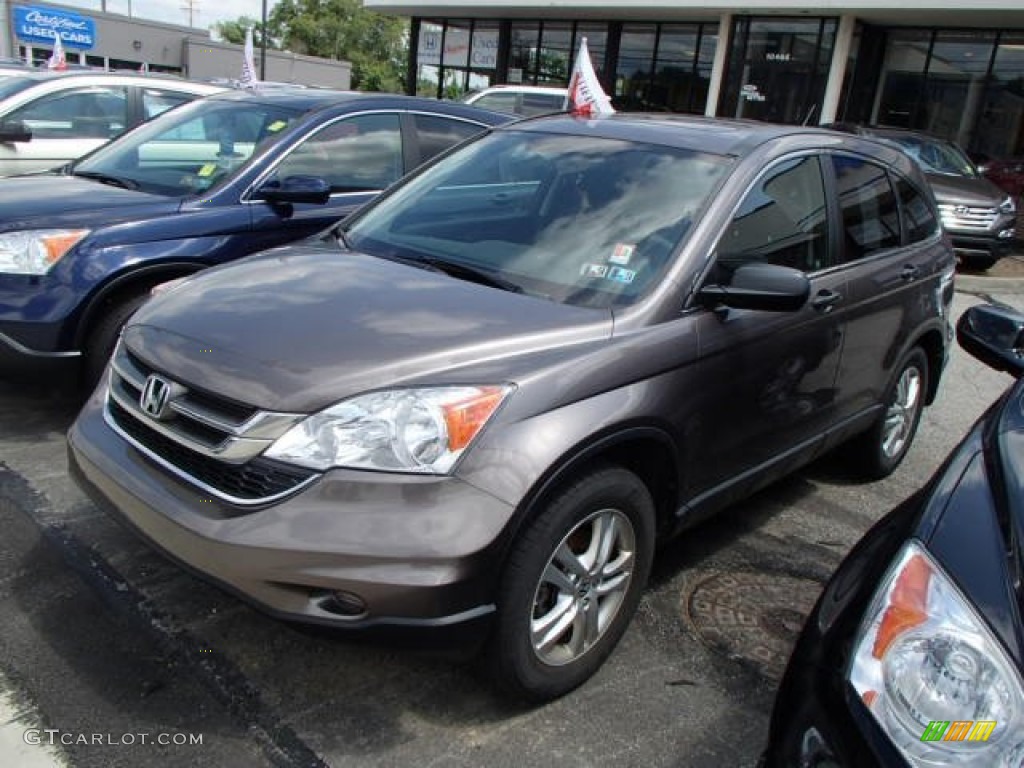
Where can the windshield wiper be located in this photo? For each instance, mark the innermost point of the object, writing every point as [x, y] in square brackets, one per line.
[466, 272]
[106, 178]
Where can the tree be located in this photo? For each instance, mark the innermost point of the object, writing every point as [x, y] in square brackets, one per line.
[234, 31]
[375, 44]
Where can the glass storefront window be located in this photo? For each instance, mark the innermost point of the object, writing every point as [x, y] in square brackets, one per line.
[453, 57]
[633, 73]
[523, 45]
[678, 84]
[778, 69]
[597, 44]
[901, 86]
[1000, 131]
[665, 67]
[555, 56]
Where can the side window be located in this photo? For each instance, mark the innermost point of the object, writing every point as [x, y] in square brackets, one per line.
[870, 215]
[436, 134]
[541, 103]
[355, 154]
[98, 112]
[919, 222]
[155, 101]
[782, 220]
[499, 102]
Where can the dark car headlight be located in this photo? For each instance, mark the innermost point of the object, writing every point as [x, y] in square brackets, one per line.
[1008, 206]
[932, 673]
[423, 430]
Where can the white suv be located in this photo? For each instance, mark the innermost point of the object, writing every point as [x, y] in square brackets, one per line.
[49, 118]
[519, 99]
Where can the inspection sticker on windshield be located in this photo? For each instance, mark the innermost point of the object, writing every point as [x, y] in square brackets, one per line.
[622, 253]
[594, 270]
[207, 169]
[620, 275]
[276, 126]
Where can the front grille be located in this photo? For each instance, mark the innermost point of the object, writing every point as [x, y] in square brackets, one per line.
[256, 480]
[213, 442]
[968, 217]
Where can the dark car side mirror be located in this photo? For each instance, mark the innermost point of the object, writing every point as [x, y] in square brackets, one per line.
[767, 287]
[14, 132]
[995, 336]
[296, 189]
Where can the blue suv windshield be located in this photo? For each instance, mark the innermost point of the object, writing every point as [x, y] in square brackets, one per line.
[188, 150]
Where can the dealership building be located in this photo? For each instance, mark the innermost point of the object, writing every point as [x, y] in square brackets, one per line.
[951, 67]
[114, 41]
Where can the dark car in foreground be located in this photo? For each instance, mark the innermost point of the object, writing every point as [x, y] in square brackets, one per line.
[502, 382]
[207, 183]
[913, 654]
[979, 216]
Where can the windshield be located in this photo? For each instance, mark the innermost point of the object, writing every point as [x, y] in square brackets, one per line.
[577, 219]
[12, 84]
[937, 156]
[187, 150]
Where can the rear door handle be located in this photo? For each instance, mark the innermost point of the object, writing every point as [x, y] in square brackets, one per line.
[909, 272]
[825, 300]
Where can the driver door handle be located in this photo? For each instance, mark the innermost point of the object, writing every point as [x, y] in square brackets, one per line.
[825, 300]
[909, 272]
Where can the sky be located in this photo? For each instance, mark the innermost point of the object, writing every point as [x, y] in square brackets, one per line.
[205, 13]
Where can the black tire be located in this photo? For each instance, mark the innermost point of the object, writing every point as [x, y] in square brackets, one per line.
[99, 344]
[606, 589]
[876, 453]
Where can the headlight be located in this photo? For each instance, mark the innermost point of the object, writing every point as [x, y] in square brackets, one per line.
[932, 673]
[404, 430]
[1008, 206]
[34, 252]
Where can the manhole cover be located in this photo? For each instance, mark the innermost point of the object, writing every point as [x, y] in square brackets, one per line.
[753, 616]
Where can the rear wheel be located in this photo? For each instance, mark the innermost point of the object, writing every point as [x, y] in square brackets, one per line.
[572, 584]
[99, 344]
[878, 452]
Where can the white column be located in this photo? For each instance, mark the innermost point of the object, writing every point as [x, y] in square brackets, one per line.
[718, 67]
[837, 72]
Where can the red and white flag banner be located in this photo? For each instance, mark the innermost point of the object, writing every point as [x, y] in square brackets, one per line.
[248, 79]
[586, 96]
[58, 59]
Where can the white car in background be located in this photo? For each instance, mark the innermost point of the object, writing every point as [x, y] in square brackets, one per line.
[525, 100]
[48, 118]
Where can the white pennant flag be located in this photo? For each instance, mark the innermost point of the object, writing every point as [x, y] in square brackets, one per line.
[57, 60]
[249, 79]
[586, 96]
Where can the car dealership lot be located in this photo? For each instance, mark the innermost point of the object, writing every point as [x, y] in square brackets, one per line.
[103, 636]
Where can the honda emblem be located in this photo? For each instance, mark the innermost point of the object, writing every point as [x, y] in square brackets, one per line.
[155, 396]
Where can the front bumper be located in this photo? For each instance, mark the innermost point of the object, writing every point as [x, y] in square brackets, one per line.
[352, 549]
[18, 360]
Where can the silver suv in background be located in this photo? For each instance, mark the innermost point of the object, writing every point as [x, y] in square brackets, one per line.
[525, 100]
[48, 118]
[979, 216]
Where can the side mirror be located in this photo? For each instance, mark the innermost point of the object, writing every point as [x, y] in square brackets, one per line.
[994, 335]
[296, 189]
[767, 287]
[14, 132]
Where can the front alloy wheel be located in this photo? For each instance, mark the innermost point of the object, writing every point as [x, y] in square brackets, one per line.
[573, 580]
[901, 417]
[582, 587]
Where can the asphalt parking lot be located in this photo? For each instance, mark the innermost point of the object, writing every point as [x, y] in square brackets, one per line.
[103, 637]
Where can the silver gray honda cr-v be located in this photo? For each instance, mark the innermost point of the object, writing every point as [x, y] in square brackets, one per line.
[481, 401]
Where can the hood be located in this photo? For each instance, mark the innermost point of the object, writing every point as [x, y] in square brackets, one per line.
[66, 201]
[964, 190]
[300, 328]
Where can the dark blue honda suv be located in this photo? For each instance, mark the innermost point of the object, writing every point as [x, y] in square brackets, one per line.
[214, 180]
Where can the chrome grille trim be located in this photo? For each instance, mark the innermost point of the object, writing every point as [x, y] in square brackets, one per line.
[968, 217]
[233, 441]
[155, 457]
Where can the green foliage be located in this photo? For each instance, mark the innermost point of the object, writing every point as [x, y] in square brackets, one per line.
[375, 44]
[234, 31]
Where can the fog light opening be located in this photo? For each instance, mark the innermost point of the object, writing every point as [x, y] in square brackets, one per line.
[341, 603]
